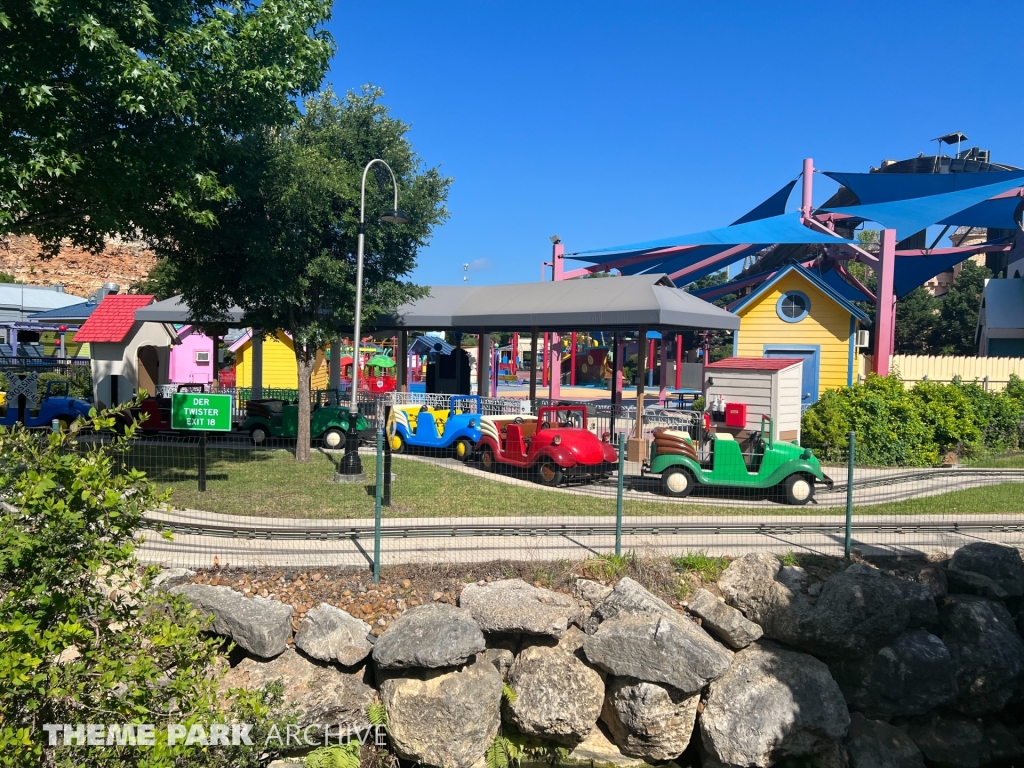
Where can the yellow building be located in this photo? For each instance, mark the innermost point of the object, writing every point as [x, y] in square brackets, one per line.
[279, 369]
[796, 314]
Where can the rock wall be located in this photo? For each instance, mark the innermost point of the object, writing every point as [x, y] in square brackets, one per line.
[866, 669]
[78, 270]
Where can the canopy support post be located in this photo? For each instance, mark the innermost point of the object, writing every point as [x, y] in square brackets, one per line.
[885, 315]
[402, 361]
[483, 367]
[572, 360]
[256, 366]
[663, 388]
[555, 390]
[679, 361]
[807, 186]
[533, 369]
[641, 369]
[334, 371]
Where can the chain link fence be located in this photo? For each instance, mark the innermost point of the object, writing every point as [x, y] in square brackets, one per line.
[427, 505]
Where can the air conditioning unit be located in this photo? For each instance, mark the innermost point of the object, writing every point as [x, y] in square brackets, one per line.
[862, 340]
[202, 356]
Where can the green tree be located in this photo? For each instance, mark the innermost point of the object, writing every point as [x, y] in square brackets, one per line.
[285, 249]
[955, 328]
[162, 281]
[5, 278]
[114, 114]
[916, 316]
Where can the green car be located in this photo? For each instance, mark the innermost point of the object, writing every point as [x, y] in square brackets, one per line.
[278, 418]
[786, 466]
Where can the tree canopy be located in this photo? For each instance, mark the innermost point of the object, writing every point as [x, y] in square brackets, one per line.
[285, 247]
[115, 114]
[957, 322]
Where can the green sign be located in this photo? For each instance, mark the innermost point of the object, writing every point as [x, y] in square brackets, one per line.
[200, 411]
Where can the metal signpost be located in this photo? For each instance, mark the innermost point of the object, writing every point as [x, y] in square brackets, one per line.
[201, 412]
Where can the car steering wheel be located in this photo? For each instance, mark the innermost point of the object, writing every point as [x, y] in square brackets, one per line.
[544, 425]
[517, 420]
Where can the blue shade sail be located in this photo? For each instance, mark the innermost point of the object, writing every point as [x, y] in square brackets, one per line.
[785, 228]
[835, 281]
[992, 214]
[773, 206]
[915, 214]
[889, 187]
[913, 271]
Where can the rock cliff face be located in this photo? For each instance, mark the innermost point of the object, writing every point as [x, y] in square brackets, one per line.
[863, 670]
[78, 270]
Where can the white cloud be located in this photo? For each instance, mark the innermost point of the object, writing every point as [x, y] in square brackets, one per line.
[478, 264]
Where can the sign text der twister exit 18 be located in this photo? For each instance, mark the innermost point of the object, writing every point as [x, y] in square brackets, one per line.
[201, 411]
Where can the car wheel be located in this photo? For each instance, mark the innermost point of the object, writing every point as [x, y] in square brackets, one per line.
[258, 434]
[397, 443]
[548, 473]
[487, 460]
[799, 489]
[463, 449]
[334, 438]
[677, 482]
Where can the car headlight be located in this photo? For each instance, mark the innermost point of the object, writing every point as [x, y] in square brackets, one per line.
[472, 423]
[557, 440]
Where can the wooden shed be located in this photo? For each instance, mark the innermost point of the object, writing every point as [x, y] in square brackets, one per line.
[765, 385]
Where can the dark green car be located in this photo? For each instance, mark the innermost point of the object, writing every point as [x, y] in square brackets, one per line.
[786, 466]
[280, 418]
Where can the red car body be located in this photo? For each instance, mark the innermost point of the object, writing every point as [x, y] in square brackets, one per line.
[555, 444]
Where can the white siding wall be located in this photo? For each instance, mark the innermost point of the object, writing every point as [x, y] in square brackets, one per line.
[752, 388]
[788, 416]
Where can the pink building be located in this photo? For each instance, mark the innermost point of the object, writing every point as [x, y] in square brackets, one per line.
[191, 361]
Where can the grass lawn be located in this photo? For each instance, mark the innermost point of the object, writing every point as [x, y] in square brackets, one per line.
[273, 484]
[1004, 461]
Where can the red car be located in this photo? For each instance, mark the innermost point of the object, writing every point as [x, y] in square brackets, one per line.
[555, 443]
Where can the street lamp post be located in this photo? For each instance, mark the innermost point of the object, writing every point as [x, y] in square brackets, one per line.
[351, 464]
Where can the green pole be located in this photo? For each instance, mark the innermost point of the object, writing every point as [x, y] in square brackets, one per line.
[377, 505]
[618, 496]
[849, 490]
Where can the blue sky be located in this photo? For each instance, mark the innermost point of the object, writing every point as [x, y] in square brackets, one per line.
[616, 122]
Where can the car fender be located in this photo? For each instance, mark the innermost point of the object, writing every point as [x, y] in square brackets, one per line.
[664, 461]
[561, 456]
[257, 421]
[471, 434]
[792, 468]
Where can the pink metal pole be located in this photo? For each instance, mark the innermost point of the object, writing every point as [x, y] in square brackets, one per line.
[555, 391]
[679, 361]
[806, 188]
[572, 360]
[547, 360]
[557, 261]
[663, 388]
[886, 305]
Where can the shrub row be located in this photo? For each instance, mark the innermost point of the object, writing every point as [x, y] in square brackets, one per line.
[915, 427]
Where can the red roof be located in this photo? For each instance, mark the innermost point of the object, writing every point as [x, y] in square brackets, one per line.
[113, 319]
[749, 363]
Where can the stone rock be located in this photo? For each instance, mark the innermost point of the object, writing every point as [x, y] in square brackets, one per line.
[598, 750]
[971, 583]
[773, 703]
[648, 720]
[934, 577]
[949, 741]
[920, 603]
[987, 651]
[874, 744]
[590, 593]
[558, 697]
[317, 694]
[501, 658]
[331, 634]
[441, 718]
[629, 598]
[858, 610]
[912, 675]
[512, 605]
[170, 575]
[1001, 564]
[260, 626]
[1001, 744]
[431, 635]
[674, 652]
[723, 621]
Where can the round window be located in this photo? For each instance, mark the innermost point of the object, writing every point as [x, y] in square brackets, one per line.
[793, 306]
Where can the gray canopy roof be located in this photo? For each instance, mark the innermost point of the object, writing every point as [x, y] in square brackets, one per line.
[175, 310]
[590, 304]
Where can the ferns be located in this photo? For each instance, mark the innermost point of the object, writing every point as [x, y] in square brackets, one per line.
[502, 753]
[508, 693]
[334, 756]
[376, 714]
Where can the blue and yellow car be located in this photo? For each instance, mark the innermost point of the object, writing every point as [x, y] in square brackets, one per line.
[456, 427]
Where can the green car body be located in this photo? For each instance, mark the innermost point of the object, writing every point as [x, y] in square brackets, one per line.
[787, 466]
[277, 418]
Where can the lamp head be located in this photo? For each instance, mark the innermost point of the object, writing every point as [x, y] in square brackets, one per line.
[395, 217]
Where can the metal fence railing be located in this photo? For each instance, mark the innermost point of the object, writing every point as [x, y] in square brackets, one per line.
[261, 507]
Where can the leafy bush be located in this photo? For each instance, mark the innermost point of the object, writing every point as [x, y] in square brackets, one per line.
[916, 427]
[82, 637]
